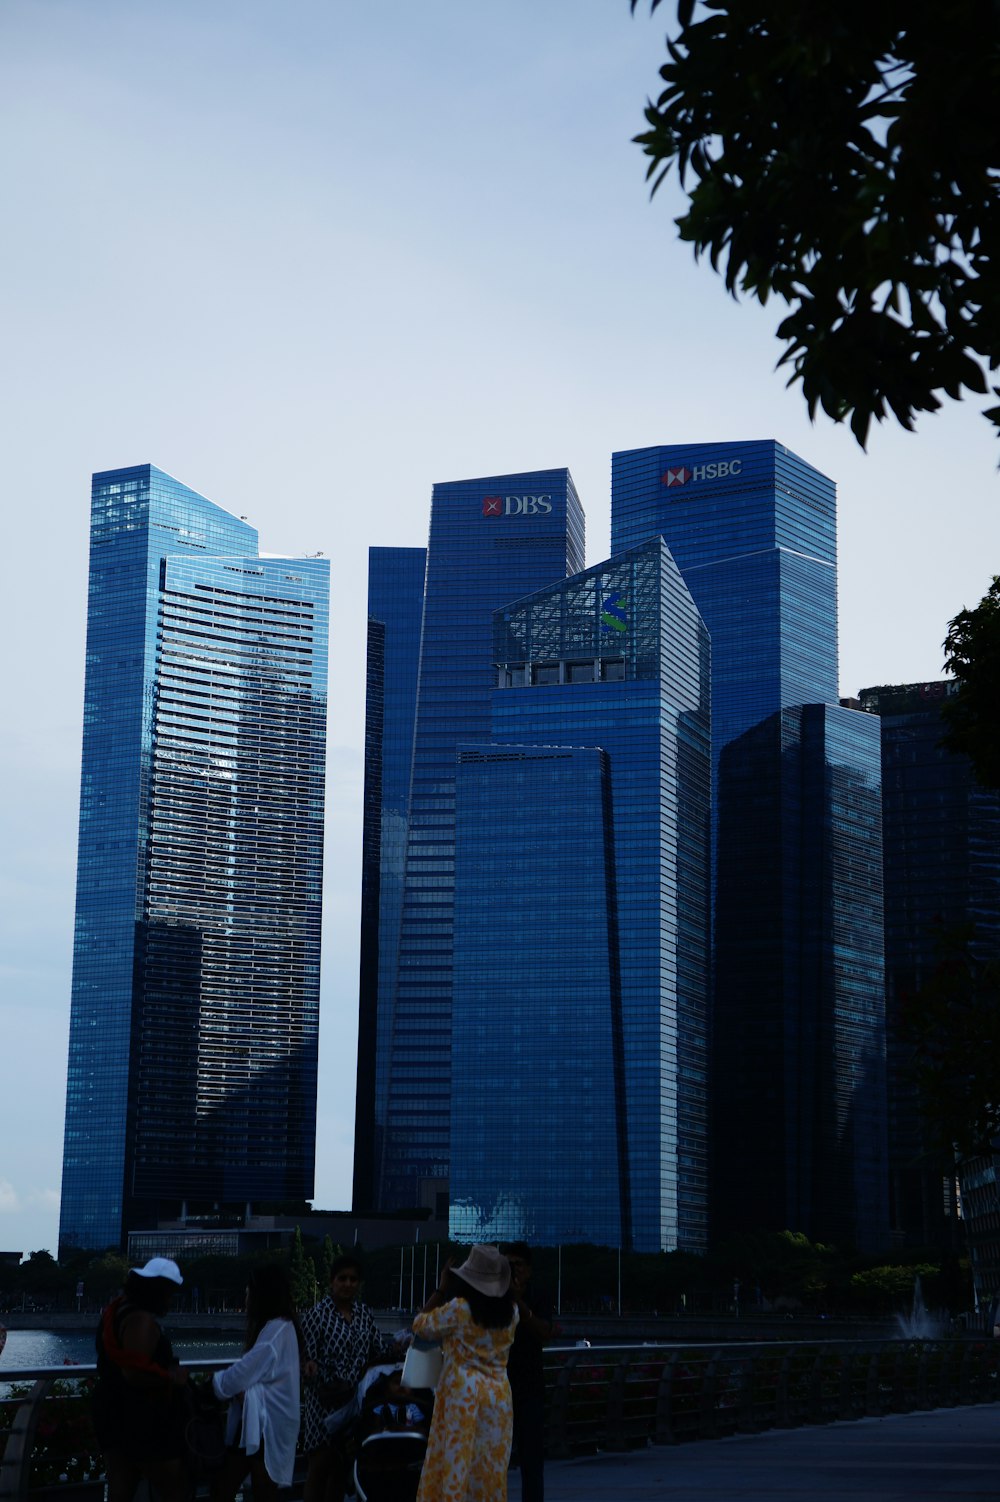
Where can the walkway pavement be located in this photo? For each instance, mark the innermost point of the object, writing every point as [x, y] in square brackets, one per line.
[914, 1457]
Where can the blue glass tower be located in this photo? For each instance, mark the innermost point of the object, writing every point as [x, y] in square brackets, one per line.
[753, 530]
[942, 877]
[194, 1019]
[539, 1128]
[491, 540]
[395, 608]
[800, 1092]
[581, 920]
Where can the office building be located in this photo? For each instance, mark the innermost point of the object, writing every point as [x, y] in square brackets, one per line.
[193, 1030]
[942, 879]
[799, 1057]
[395, 608]
[491, 540]
[578, 1098]
[753, 530]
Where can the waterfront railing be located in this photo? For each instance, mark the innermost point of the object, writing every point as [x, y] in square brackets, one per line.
[609, 1398]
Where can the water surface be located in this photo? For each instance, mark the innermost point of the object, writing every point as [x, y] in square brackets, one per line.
[27, 1348]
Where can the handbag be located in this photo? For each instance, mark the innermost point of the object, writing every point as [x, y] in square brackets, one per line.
[422, 1364]
[204, 1429]
[334, 1393]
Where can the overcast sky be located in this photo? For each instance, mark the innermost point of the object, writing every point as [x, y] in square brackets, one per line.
[311, 256]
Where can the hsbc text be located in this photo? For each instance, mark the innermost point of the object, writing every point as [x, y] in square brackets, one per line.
[716, 471]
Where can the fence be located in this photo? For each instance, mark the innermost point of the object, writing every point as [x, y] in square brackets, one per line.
[615, 1399]
[599, 1398]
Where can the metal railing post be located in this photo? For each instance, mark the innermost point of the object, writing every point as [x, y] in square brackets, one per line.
[558, 1445]
[615, 1420]
[663, 1433]
[15, 1467]
[709, 1389]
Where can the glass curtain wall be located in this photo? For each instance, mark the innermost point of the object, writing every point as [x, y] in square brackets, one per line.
[491, 540]
[192, 1055]
[616, 660]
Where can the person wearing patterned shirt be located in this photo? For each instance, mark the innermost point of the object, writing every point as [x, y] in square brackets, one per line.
[341, 1339]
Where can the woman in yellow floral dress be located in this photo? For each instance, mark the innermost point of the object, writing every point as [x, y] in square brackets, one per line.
[472, 1313]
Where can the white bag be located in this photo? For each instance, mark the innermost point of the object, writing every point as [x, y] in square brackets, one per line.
[422, 1363]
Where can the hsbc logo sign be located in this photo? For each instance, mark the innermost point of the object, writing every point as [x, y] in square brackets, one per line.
[719, 471]
[517, 505]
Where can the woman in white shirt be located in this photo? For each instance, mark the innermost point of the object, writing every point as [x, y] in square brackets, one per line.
[263, 1420]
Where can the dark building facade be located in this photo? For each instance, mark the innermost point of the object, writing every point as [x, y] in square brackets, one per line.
[194, 1018]
[800, 1109]
[395, 609]
[942, 874]
[752, 528]
[579, 1084]
[491, 540]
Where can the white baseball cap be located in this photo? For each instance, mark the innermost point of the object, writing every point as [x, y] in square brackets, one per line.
[160, 1267]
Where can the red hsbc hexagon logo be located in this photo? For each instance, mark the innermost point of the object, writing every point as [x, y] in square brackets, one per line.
[677, 476]
[493, 505]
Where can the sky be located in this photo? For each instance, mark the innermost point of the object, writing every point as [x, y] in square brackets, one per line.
[310, 257]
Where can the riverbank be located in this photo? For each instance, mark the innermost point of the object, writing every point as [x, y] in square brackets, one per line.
[66, 1320]
[600, 1329]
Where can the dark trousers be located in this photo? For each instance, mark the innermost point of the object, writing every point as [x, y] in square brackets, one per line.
[529, 1444]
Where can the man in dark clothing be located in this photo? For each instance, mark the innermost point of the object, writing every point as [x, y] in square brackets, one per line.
[525, 1371]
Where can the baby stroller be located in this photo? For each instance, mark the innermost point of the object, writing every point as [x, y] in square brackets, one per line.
[391, 1437]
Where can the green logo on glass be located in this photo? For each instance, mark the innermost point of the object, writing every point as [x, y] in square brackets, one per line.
[613, 617]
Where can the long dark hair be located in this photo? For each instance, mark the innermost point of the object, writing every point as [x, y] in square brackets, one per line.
[269, 1296]
[490, 1312]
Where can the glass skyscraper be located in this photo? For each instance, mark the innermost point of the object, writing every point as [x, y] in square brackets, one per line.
[491, 540]
[395, 609]
[799, 1057]
[578, 1098]
[194, 1019]
[942, 875]
[539, 1128]
[753, 530]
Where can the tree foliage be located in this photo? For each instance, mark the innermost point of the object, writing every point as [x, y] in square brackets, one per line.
[105, 1275]
[972, 649]
[844, 156]
[888, 1288]
[302, 1273]
[779, 1263]
[329, 1256]
[952, 1027]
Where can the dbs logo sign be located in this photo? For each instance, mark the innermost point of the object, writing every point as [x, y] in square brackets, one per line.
[517, 505]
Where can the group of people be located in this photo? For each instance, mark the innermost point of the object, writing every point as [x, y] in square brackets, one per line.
[490, 1391]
